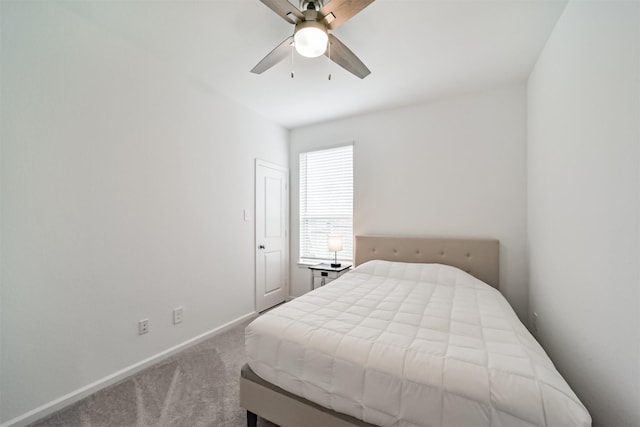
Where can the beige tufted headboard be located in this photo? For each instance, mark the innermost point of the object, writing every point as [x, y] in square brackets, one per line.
[478, 257]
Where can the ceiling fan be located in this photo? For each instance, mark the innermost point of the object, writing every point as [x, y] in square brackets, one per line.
[311, 36]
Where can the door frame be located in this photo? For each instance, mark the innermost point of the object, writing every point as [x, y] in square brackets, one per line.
[262, 163]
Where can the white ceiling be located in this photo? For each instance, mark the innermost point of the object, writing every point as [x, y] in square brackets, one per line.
[416, 50]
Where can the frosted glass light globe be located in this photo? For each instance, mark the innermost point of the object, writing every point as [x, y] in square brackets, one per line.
[311, 41]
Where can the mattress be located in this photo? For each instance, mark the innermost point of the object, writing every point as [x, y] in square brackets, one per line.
[401, 344]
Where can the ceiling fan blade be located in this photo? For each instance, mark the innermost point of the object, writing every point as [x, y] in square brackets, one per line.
[342, 55]
[276, 55]
[285, 10]
[342, 11]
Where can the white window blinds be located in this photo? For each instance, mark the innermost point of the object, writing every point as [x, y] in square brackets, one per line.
[326, 202]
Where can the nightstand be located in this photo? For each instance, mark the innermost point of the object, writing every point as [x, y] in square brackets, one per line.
[321, 274]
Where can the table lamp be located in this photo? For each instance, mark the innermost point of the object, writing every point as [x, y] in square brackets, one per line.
[335, 246]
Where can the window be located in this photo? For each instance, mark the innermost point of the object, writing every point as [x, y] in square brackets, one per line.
[326, 202]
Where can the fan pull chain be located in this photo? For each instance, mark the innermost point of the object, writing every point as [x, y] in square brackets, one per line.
[329, 59]
[292, 56]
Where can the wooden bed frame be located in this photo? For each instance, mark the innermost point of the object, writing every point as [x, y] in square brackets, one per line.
[478, 257]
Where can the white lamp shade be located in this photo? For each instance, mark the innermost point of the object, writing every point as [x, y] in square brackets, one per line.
[335, 243]
[311, 41]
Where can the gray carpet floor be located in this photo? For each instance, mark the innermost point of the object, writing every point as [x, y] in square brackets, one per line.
[197, 387]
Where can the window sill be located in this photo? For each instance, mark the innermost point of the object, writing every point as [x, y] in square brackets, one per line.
[308, 263]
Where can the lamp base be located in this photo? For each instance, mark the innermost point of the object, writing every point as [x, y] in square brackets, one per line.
[336, 265]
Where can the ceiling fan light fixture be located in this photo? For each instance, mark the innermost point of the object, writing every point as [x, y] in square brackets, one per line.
[310, 39]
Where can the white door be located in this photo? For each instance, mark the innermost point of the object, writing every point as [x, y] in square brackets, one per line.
[272, 241]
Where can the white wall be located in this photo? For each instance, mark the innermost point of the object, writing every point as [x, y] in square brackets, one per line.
[584, 211]
[123, 189]
[452, 167]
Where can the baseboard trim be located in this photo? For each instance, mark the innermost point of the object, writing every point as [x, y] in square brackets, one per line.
[81, 393]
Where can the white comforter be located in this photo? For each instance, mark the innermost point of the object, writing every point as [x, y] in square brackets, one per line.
[398, 344]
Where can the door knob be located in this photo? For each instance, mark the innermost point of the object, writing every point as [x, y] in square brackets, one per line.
[261, 247]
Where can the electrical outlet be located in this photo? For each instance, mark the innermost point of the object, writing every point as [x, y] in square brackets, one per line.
[177, 315]
[143, 326]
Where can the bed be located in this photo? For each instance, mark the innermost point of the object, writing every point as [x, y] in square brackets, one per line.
[417, 334]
